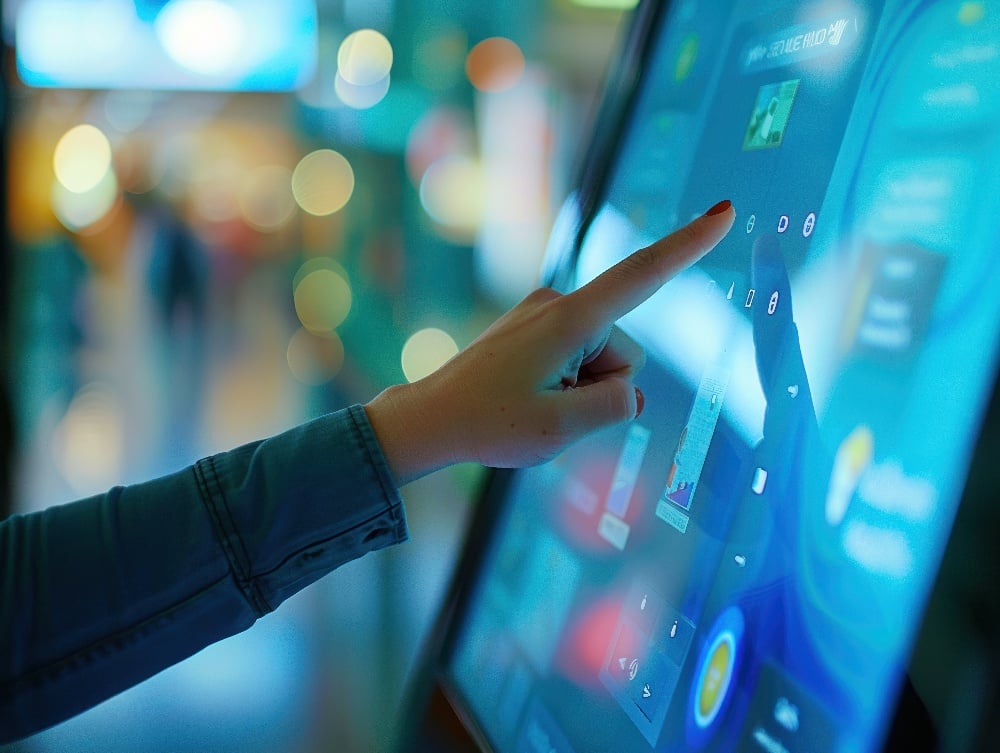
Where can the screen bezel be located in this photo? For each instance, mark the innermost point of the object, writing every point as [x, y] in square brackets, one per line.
[433, 693]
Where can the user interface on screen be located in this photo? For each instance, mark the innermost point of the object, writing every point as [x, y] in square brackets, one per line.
[743, 568]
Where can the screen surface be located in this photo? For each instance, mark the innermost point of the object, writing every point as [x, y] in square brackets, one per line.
[744, 567]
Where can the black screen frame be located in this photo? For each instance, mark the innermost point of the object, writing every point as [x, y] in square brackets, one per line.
[961, 619]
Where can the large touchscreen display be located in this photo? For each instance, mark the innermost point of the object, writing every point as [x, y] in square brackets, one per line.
[743, 568]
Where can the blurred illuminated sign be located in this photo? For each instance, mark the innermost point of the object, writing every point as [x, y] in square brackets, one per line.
[235, 45]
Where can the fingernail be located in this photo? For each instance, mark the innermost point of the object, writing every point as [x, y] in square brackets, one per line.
[719, 208]
[640, 402]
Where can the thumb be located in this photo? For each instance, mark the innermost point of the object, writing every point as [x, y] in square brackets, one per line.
[603, 403]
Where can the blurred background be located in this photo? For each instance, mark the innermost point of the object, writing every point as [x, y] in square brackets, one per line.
[224, 217]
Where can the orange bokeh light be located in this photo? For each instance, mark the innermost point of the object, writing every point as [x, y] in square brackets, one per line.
[495, 64]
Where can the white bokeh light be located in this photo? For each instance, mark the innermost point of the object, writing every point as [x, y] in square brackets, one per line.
[426, 351]
[204, 36]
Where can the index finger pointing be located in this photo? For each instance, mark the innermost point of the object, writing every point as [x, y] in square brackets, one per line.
[621, 288]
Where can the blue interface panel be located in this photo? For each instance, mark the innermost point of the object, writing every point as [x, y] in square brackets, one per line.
[744, 567]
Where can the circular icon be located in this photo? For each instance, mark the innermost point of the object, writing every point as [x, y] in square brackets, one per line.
[717, 665]
[713, 682]
[809, 225]
[783, 223]
[751, 221]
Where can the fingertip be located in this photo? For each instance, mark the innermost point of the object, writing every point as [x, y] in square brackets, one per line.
[719, 208]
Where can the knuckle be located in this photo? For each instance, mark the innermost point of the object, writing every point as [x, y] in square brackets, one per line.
[542, 295]
[687, 236]
[641, 261]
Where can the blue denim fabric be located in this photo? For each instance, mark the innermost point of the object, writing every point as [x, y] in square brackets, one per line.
[99, 594]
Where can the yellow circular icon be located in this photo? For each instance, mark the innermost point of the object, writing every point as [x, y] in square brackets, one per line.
[716, 680]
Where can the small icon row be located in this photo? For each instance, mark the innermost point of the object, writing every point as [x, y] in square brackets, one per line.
[784, 222]
[772, 302]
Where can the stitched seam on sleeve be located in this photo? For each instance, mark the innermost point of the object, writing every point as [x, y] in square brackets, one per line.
[392, 511]
[388, 492]
[226, 527]
[257, 596]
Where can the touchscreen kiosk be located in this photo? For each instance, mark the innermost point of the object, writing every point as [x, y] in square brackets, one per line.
[744, 567]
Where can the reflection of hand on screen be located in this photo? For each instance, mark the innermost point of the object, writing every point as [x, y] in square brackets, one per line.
[791, 446]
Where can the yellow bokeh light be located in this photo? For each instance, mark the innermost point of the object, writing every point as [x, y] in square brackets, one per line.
[89, 441]
[322, 295]
[361, 97]
[82, 158]
[495, 64]
[77, 211]
[323, 182]
[451, 192]
[266, 199]
[364, 58]
[315, 359]
[425, 352]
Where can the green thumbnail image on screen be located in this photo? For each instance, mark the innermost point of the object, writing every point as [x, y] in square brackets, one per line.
[770, 114]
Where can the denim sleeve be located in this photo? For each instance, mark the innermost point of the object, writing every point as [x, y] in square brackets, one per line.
[99, 594]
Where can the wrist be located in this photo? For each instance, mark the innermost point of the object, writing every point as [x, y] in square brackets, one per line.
[412, 430]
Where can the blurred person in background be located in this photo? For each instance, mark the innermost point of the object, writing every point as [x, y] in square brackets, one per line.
[99, 594]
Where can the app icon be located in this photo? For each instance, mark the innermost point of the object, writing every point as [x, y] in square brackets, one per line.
[686, 58]
[740, 560]
[793, 391]
[786, 714]
[783, 223]
[809, 225]
[759, 481]
[751, 221]
[718, 663]
[772, 304]
[852, 459]
[750, 294]
[729, 295]
[769, 117]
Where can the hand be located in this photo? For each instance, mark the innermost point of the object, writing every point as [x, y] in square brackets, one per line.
[547, 373]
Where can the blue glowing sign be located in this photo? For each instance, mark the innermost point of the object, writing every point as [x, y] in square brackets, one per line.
[231, 45]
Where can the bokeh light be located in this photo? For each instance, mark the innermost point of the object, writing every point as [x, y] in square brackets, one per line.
[266, 199]
[364, 58]
[204, 36]
[322, 295]
[495, 64]
[89, 441]
[82, 158]
[426, 351]
[323, 182]
[361, 97]
[315, 359]
[451, 192]
[440, 132]
[77, 211]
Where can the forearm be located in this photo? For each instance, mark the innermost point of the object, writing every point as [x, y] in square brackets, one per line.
[97, 595]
